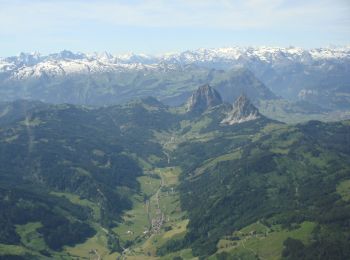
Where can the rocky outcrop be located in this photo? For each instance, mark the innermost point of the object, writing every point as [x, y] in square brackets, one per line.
[242, 111]
[203, 98]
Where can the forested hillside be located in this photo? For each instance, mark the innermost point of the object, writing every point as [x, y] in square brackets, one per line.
[146, 180]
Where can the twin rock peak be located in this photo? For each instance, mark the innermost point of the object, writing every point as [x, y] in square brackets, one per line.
[206, 97]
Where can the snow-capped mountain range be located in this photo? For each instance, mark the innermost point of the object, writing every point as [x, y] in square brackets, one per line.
[320, 75]
[66, 62]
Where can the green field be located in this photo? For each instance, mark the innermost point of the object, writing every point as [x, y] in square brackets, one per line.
[82, 202]
[343, 190]
[262, 241]
[93, 247]
[30, 238]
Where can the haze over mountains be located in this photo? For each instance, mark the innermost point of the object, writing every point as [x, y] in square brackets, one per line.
[318, 76]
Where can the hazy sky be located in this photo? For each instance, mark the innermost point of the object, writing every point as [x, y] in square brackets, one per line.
[155, 26]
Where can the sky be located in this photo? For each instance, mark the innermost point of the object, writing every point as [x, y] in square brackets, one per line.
[159, 26]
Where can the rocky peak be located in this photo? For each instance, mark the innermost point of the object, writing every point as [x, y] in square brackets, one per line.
[243, 111]
[203, 98]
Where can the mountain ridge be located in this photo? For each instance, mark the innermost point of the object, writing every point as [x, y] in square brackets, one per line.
[266, 53]
[243, 111]
[70, 62]
[316, 75]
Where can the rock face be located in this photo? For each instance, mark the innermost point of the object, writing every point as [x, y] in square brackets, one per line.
[242, 111]
[203, 98]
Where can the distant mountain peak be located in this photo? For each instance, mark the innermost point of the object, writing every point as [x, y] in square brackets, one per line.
[242, 111]
[67, 55]
[203, 98]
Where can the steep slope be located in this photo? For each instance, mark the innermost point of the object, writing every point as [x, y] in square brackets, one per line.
[203, 98]
[242, 111]
[238, 81]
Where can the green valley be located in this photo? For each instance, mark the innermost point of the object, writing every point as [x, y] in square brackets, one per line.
[142, 180]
